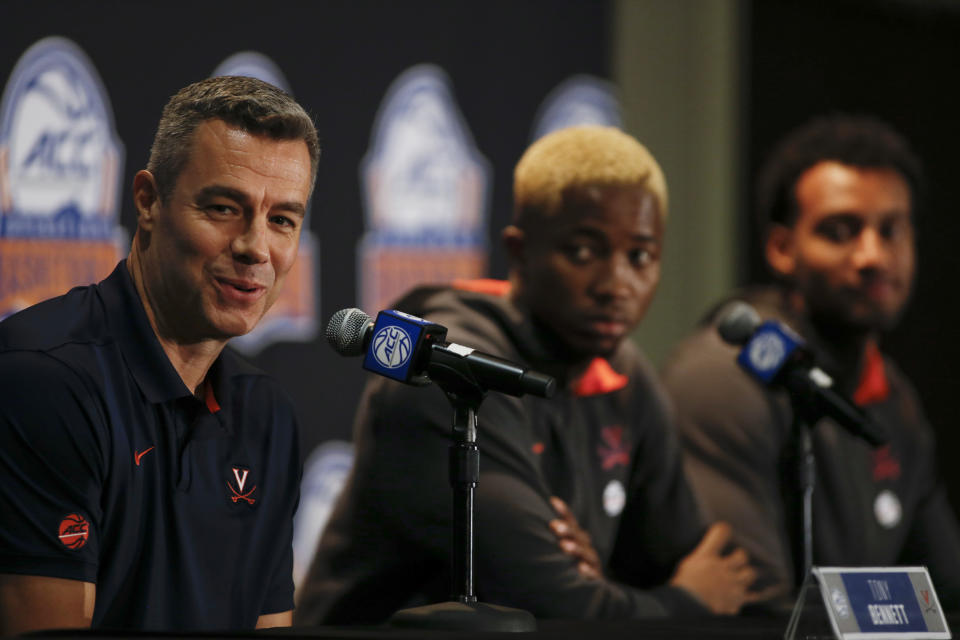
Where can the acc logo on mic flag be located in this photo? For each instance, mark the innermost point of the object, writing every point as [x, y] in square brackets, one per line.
[766, 351]
[392, 347]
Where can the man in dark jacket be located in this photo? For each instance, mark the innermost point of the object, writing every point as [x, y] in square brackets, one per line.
[837, 202]
[582, 509]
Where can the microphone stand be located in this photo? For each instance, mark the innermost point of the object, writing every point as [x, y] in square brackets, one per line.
[807, 410]
[463, 612]
[807, 477]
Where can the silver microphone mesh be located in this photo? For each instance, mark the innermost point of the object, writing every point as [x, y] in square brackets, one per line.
[345, 331]
[738, 321]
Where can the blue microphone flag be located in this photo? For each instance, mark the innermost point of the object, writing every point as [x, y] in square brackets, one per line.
[769, 348]
[396, 341]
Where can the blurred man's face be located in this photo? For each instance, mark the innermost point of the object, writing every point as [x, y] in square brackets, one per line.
[850, 253]
[589, 271]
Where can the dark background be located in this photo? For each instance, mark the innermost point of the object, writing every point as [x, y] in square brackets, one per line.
[897, 59]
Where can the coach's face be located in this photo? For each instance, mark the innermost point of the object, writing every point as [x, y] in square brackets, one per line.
[216, 253]
[589, 271]
[850, 254]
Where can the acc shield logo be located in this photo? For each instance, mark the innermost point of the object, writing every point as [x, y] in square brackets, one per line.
[241, 486]
[74, 531]
[840, 603]
[425, 192]
[293, 317]
[392, 347]
[578, 100]
[60, 164]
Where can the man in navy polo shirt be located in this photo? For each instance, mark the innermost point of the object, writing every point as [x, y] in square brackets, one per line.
[148, 478]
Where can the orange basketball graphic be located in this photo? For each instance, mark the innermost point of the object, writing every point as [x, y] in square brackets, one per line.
[74, 531]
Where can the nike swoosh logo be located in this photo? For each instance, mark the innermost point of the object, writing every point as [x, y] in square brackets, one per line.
[137, 456]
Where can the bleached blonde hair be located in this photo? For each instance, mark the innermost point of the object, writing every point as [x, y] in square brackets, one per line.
[582, 156]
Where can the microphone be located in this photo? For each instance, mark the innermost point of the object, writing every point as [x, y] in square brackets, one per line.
[413, 351]
[776, 355]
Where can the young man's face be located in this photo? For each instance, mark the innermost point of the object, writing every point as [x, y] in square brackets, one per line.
[221, 246]
[589, 271]
[850, 253]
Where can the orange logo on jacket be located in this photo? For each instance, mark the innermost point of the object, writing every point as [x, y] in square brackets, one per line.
[615, 450]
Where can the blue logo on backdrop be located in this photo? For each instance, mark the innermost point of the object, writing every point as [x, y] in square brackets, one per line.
[294, 315]
[324, 474]
[392, 347]
[59, 154]
[60, 165]
[253, 64]
[578, 100]
[425, 192]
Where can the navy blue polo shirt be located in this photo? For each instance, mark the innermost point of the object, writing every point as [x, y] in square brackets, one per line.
[113, 472]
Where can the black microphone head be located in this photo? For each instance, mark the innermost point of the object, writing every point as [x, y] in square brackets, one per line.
[737, 322]
[347, 331]
[538, 384]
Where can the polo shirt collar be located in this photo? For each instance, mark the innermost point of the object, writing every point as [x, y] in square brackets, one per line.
[128, 322]
[220, 385]
[147, 361]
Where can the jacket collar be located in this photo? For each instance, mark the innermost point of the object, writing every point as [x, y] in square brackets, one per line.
[540, 349]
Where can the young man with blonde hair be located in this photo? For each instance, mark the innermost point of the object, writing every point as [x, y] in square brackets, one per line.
[581, 510]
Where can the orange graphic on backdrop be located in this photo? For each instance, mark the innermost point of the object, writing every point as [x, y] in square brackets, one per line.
[390, 272]
[32, 270]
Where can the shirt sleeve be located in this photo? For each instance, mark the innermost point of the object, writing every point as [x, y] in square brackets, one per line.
[732, 436]
[51, 469]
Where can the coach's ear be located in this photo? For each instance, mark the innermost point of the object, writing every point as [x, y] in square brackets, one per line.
[780, 250]
[146, 198]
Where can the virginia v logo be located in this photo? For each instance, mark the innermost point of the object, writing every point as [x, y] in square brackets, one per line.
[239, 491]
[241, 480]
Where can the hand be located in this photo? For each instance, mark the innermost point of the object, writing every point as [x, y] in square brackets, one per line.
[575, 541]
[721, 582]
